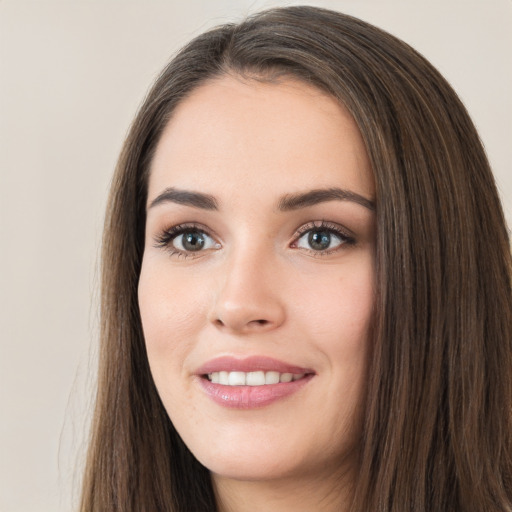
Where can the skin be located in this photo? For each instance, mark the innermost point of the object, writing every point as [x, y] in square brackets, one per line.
[259, 288]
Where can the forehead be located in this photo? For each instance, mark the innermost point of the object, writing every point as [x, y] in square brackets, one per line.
[232, 135]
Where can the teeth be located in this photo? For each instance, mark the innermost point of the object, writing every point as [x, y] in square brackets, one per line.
[255, 378]
[236, 378]
[259, 378]
[271, 377]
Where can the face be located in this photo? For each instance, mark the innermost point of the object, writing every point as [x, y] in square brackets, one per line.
[257, 281]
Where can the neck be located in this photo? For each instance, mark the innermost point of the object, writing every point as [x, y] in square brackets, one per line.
[304, 494]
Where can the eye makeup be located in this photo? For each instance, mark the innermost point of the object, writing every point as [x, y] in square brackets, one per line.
[316, 238]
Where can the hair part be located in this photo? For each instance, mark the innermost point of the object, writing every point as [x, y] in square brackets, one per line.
[437, 425]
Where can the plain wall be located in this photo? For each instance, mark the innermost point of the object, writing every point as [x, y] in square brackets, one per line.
[72, 74]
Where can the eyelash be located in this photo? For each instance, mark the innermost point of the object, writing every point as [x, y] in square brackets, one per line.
[166, 238]
[333, 229]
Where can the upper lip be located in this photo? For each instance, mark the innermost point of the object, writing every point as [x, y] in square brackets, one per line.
[249, 364]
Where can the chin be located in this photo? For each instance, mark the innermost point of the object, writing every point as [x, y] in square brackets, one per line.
[251, 469]
[271, 458]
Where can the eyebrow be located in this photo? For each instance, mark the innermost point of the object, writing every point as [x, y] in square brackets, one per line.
[187, 198]
[287, 203]
[313, 197]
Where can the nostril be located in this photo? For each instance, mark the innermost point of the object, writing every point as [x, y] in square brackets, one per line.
[245, 318]
[259, 322]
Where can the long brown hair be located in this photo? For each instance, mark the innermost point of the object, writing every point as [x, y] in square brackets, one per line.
[438, 424]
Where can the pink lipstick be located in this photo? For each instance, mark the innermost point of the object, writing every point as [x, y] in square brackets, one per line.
[251, 382]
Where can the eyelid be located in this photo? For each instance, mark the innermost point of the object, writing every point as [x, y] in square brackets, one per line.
[339, 230]
[322, 224]
[164, 238]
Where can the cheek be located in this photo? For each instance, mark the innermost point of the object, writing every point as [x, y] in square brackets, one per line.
[339, 308]
[170, 313]
[338, 318]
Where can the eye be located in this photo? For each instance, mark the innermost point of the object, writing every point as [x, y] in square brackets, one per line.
[183, 240]
[322, 239]
[193, 241]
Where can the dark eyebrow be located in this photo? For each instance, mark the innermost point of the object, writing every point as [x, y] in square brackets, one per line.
[312, 197]
[186, 197]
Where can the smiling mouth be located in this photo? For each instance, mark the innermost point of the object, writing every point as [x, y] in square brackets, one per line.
[251, 382]
[257, 378]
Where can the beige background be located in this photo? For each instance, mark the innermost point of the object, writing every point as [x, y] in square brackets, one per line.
[71, 76]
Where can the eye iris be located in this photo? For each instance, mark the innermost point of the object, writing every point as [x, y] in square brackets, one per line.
[319, 240]
[193, 241]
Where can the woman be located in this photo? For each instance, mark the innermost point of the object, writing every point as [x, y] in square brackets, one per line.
[306, 285]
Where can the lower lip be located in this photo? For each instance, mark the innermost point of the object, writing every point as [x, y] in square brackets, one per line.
[251, 397]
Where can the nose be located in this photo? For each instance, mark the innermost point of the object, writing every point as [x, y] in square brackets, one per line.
[249, 298]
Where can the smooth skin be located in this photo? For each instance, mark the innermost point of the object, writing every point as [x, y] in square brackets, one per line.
[229, 271]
